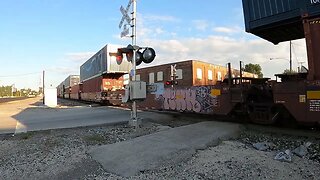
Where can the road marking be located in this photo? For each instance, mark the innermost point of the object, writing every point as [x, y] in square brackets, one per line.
[20, 128]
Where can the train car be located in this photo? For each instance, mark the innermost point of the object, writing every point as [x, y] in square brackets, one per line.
[101, 89]
[60, 90]
[75, 91]
[69, 82]
[298, 94]
[102, 76]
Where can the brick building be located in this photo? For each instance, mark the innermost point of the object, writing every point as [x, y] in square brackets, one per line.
[195, 79]
[189, 73]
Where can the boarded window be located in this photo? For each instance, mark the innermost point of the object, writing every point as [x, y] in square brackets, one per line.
[151, 78]
[160, 76]
[199, 73]
[138, 77]
[179, 74]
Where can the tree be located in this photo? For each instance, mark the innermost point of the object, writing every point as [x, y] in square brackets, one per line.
[287, 71]
[254, 68]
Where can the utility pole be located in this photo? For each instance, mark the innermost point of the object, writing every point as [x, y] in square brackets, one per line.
[134, 118]
[43, 73]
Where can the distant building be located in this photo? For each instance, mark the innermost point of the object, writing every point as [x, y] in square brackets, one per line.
[188, 73]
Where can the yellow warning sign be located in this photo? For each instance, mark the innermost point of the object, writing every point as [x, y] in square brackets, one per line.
[313, 94]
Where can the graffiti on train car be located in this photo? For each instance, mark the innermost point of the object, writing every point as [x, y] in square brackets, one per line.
[194, 99]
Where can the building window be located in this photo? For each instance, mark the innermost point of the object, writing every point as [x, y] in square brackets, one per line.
[160, 76]
[219, 76]
[138, 77]
[179, 74]
[199, 73]
[151, 78]
[210, 78]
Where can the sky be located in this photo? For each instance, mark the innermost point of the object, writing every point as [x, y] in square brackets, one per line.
[57, 36]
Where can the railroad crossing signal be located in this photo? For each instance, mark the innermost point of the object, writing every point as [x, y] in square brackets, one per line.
[125, 15]
[147, 56]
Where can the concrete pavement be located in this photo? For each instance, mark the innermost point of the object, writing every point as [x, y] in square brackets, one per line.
[128, 158]
[8, 123]
[31, 115]
[35, 119]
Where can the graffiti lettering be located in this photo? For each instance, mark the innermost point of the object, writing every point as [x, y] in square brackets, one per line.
[195, 99]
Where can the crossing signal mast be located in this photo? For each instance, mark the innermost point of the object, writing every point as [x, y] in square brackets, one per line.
[134, 55]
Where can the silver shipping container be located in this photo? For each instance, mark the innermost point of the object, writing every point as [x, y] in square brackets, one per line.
[104, 63]
[71, 80]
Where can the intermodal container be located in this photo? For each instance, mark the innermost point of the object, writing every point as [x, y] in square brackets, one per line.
[98, 89]
[278, 20]
[71, 80]
[75, 92]
[104, 62]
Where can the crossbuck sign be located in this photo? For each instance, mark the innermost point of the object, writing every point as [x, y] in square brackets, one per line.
[125, 17]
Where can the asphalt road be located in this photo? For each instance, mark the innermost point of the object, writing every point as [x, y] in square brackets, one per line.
[4, 100]
[30, 115]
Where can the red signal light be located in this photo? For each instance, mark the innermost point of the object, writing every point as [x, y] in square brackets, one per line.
[119, 57]
[171, 82]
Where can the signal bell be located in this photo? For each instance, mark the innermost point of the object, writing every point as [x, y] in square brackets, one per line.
[148, 55]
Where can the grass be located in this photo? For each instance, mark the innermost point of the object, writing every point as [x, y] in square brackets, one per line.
[26, 135]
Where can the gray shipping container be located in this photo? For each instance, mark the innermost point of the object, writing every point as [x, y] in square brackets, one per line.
[278, 20]
[103, 63]
[71, 80]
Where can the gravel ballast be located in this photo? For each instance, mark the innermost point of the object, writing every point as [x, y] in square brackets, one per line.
[62, 154]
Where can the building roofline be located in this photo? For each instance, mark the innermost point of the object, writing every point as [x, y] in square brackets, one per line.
[177, 62]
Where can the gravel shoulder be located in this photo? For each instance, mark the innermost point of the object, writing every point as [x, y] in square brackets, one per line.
[63, 154]
[59, 154]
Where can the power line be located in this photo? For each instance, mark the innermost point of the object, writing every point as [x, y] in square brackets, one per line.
[17, 75]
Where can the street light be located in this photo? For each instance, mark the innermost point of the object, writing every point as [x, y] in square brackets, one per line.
[290, 57]
[290, 61]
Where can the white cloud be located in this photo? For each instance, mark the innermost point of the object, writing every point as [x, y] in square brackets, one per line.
[223, 49]
[226, 44]
[201, 25]
[227, 30]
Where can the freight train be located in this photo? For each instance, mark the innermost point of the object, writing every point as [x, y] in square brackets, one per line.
[201, 88]
[101, 79]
